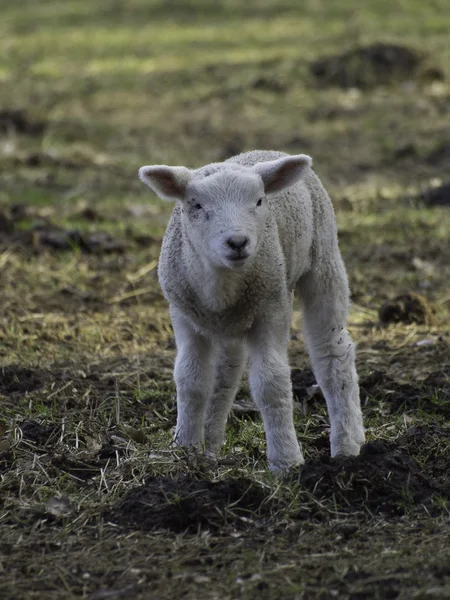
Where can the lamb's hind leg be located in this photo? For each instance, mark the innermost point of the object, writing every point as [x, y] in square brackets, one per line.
[230, 364]
[325, 297]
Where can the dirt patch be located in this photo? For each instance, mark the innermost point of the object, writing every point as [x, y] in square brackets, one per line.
[16, 379]
[302, 380]
[384, 478]
[407, 308]
[374, 65]
[440, 155]
[431, 444]
[38, 434]
[19, 122]
[42, 233]
[431, 395]
[186, 504]
[437, 196]
[79, 469]
[55, 238]
[431, 438]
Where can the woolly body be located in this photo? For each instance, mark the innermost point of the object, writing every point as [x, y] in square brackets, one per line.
[272, 216]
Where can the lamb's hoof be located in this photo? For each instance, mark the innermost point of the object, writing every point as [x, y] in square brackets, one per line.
[281, 470]
[212, 459]
[346, 448]
[347, 443]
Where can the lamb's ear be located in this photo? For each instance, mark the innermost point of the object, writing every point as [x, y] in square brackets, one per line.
[168, 182]
[280, 174]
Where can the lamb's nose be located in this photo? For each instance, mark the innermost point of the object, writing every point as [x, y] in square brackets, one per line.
[237, 242]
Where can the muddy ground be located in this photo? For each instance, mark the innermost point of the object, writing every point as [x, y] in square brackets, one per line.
[94, 501]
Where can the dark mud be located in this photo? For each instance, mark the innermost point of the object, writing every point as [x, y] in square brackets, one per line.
[440, 155]
[301, 381]
[371, 66]
[383, 480]
[386, 478]
[432, 395]
[38, 434]
[41, 234]
[186, 504]
[407, 308]
[18, 121]
[47, 236]
[437, 196]
[15, 379]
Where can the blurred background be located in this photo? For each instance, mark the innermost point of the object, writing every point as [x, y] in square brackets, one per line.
[90, 91]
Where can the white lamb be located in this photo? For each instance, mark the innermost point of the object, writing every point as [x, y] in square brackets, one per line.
[244, 234]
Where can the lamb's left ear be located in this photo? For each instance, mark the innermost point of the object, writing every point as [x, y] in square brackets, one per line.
[280, 174]
[168, 182]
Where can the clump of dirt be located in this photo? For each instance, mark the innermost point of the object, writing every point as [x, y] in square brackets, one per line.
[407, 308]
[16, 379]
[384, 478]
[19, 122]
[440, 155]
[437, 196]
[429, 395]
[79, 469]
[46, 235]
[186, 504]
[270, 84]
[374, 65]
[301, 381]
[38, 434]
[429, 438]
[59, 239]
[431, 444]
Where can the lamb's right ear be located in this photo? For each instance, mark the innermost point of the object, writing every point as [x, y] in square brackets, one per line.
[168, 182]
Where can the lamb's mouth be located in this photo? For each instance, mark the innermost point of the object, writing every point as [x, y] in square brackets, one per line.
[238, 259]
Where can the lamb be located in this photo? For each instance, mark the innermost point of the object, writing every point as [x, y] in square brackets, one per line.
[243, 236]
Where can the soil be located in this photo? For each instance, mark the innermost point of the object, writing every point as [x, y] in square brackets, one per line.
[385, 479]
[371, 66]
[430, 395]
[407, 308]
[19, 380]
[301, 381]
[20, 122]
[437, 196]
[40, 236]
[187, 504]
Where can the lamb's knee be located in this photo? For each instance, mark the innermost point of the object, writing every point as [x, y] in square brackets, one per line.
[270, 380]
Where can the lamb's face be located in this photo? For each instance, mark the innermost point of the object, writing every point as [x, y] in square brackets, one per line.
[224, 206]
[224, 216]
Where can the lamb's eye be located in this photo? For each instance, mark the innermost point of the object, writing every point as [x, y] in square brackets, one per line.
[259, 202]
[197, 206]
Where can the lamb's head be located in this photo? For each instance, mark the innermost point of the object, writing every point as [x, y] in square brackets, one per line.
[224, 206]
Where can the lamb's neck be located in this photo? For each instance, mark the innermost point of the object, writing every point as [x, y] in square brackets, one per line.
[217, 288]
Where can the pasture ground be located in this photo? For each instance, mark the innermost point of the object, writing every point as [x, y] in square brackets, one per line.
[94, 501]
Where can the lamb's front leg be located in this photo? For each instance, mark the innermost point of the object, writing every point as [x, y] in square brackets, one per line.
[270, 383]
[325, 298]
[194, 378]
[230, 364]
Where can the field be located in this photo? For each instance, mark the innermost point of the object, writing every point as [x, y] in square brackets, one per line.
[94, 501]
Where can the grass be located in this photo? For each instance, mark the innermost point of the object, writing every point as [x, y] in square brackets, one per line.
[95, 501]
